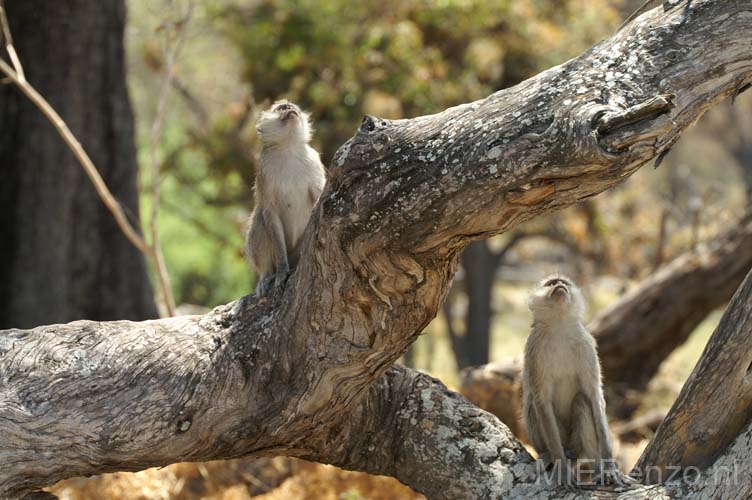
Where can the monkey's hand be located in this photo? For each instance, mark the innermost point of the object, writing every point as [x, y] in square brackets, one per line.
[616, 477]
[276, 280]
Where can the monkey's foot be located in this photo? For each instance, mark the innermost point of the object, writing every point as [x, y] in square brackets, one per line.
[276, 280]
[263, 286]
[616, 477]
[280, 278]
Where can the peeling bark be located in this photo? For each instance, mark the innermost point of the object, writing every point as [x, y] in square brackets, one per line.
[283, 375]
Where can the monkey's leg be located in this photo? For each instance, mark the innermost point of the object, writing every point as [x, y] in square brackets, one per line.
[592, 439]
[550, 432]
[274, 226]
[584, 438]
[258, 249]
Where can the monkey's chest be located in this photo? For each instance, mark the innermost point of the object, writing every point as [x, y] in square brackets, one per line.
[564, 372]
[296, 210]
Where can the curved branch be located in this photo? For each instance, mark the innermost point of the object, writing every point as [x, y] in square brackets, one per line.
[638, 332]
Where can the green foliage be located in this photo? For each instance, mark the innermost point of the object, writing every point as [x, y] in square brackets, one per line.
[394, 59]
[339, 60]
[351, 494]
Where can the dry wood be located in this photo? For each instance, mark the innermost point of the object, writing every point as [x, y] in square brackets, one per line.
[715, 404]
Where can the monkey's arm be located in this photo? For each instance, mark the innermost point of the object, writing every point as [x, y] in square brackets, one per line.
[549, 429]
[276, 231]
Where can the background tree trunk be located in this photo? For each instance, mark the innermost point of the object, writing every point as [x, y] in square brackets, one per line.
[637, 333]
[471, 347]
[62, 257]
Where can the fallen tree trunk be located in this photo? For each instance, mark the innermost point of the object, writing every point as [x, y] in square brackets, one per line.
[283, 375]
[638, 332]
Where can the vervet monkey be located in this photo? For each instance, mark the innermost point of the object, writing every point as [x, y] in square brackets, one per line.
[290, 180]
[563, 406]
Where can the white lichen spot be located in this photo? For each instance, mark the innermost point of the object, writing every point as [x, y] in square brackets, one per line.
[567, 102]
[517, 114]
[444, 171]
[493, 169]
[494, 152]
[342, 156]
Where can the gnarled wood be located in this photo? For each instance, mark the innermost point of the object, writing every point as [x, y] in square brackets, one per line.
[283, 375]
[715, 404]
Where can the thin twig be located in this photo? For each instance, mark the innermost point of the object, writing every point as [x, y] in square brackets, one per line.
[153, 251]
[91, 171]
[640, 11]
[171, 51]
[9, 44]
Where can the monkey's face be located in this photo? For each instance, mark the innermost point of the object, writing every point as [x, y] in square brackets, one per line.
[557, 296]
[283, 123]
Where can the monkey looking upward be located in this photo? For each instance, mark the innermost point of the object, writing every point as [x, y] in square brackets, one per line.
[563, 404]
[290, 180]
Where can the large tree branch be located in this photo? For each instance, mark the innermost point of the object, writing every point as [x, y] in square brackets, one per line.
[410, 426]
[403, 200]
[715, 404]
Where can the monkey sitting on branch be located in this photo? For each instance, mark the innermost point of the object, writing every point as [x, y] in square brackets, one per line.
[563, 405]
[290, 180]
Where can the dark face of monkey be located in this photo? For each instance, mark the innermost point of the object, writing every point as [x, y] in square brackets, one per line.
[283, 123]
[556, 296]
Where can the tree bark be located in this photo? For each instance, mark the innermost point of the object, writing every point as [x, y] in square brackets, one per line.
[62, 256]
[715, 404]
[288, 374]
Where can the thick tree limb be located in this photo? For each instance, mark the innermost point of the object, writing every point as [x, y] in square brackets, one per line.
[715, 404]
[404, 198]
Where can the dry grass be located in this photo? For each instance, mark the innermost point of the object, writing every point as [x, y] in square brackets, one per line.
[261, 479]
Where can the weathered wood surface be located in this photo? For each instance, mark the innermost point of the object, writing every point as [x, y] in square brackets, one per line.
[302, 373]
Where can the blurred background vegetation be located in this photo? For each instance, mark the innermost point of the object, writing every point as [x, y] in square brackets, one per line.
[396, 59]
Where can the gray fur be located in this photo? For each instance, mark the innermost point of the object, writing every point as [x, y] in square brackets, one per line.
[290, 180]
